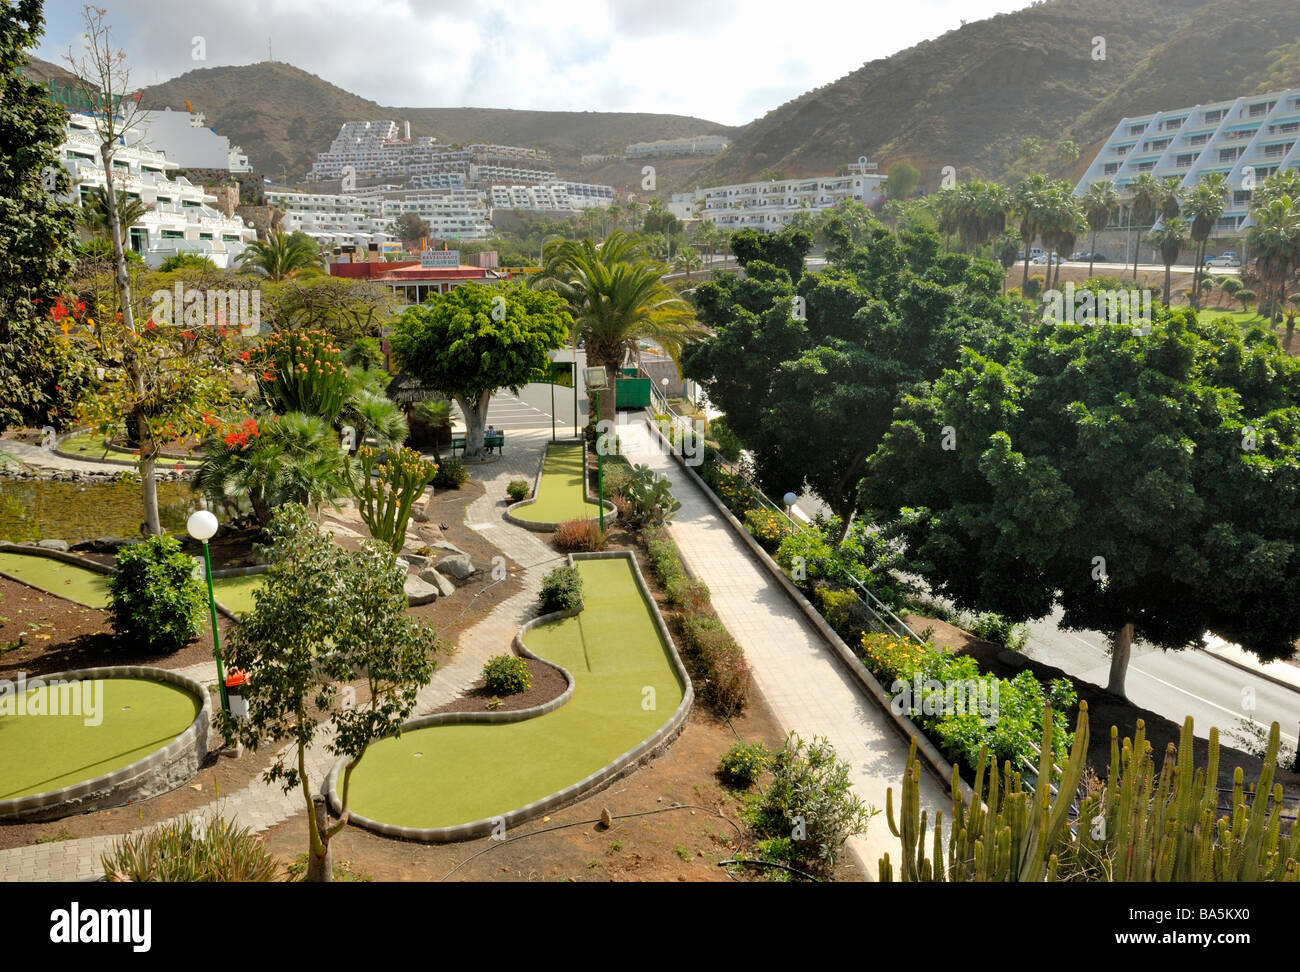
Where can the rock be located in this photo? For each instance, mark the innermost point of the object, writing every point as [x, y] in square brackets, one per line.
[447, 545]
[61, 545]
[108, 544]
[415, 560]
[419, 592]
[431, 576]
[460, 566]
[606, 818]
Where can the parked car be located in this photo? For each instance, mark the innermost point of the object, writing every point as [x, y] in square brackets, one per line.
[1045, 258]
[1228, 259]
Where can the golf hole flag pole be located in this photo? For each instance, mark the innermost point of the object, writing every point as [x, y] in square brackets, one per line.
[202, 526]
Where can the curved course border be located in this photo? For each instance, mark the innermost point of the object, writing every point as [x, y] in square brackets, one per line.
[97, 568]
[189, 463]
[611, 771]
[540, 526]
[160, 771]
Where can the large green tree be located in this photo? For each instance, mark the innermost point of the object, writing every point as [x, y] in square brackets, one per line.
[476, 339]
[39, 375]
[1147, 485]
[809, 374]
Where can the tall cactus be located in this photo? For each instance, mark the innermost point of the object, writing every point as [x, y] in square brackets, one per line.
[1137, 827]
[385, 500]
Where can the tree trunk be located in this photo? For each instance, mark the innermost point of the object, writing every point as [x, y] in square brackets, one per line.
[1168, 277]
[475, 423]
[320, 867]
[1119, 657]
[1092, 253]
[1024, 281]
[1137, 254]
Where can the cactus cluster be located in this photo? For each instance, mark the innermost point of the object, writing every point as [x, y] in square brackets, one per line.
[1137, 826]
[385, 500]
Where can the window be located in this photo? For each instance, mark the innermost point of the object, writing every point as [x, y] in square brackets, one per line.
[1214, 116]
[164, 199]
[173, 235]
[205, 236]
[229, 238]
[190, 204]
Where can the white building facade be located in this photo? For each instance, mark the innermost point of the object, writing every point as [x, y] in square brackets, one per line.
[181, 218]
[770, 206]
[671, 147]
[1247, 138]
[185, 138]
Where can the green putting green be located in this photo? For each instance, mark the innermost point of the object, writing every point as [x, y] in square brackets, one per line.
[442, 776]
[236, 593]
[43, 752]
[67, 580]
[93, 447]
[560, 493]
[91, 589]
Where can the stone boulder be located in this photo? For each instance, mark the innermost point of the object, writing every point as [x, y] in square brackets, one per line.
[459, 566]
[431, 576]
[419, 591]
[60, 545]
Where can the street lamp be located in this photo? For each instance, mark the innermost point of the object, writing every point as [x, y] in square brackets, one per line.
[202, 526]
[789, 499]
[594, 379]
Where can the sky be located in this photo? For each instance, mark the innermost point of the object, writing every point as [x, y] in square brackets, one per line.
[728, 61]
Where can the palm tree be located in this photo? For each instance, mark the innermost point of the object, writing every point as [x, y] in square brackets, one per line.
[375, 416]
[1064, 222]
[1275, 241]
[1100, 203]
[1170, 238]
[687, 259]
[1032, 206]
[981, 211]
[283, 255]
[1170, 199]
[294, 458]
[95, 214]
[1143, 196]
[617, 298]
[1204, 207]
[946, 206]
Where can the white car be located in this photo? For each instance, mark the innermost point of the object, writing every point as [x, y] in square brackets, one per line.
[1223, 260]
[1045, 258]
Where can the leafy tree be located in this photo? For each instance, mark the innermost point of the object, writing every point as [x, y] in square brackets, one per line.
[1067, 150]
[1140, 484]
[902, 179]
[812, 397]
[1275, 240]
[40, 376]
[1028, 147]
[326, 617]
[785, 250]
[346, 308]
[409, 227]
[476, 339]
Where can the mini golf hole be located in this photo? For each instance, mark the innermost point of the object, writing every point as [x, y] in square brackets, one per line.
[418, 755]
[125, 707]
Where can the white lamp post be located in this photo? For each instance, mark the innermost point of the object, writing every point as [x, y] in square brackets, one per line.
[789, 499]
[202, 526]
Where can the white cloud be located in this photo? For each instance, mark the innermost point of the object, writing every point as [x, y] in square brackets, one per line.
[724, 60]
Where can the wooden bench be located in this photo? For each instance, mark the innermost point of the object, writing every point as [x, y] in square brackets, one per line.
[490, 442]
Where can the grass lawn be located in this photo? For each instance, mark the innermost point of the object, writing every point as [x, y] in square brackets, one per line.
[91, 589]
[447, 775]
[560, 494]
[39, 753]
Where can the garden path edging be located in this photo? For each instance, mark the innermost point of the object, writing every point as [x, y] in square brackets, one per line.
[540, 526]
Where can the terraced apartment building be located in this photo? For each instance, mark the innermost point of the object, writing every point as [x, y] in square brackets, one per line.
[1248, 138]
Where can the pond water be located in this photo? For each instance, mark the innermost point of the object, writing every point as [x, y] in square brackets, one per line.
[38, 510]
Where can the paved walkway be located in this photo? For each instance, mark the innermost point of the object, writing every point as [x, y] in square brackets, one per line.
[259, 806]
[804, 682]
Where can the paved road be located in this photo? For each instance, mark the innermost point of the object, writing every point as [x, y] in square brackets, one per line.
[1175, 684]
[529, 411]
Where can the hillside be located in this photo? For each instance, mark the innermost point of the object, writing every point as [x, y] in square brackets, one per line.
[967, 98]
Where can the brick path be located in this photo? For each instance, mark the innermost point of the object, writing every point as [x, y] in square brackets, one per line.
[803, 681]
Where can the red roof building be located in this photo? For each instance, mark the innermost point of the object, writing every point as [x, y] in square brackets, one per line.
[413, 282]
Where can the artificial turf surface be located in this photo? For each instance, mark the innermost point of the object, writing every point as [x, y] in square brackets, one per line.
[560, 493]
[91, 589]
[39, 753]
[92, 446]
[67, 580]
[447, 775]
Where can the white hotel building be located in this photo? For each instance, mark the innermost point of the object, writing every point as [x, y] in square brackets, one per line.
[1247, 138]
[670, 147]
[369, 218]
[182, 217]
[769, 206]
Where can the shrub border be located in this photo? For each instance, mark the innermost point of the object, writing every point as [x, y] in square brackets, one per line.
[135, 781]
[616, 768]
[868, 682]
[541, 526]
